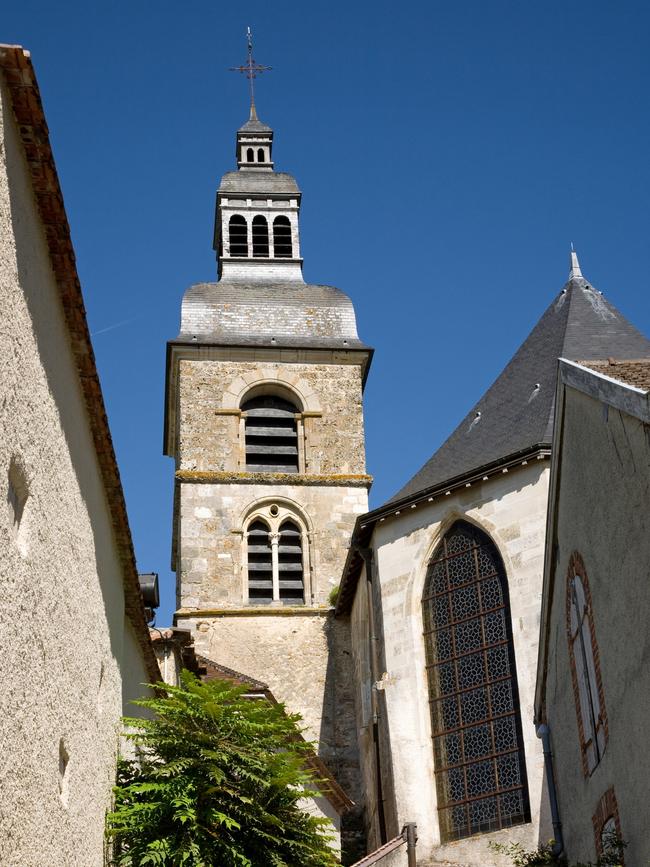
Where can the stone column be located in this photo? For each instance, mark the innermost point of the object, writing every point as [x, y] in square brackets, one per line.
[275, 565]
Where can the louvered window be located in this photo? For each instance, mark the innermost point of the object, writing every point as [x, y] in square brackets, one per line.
[585, 667]
[282, 245]
[271, 435]
[238, 233]
[260, 564]
[290, 569]
[475, 718]
[260, 237]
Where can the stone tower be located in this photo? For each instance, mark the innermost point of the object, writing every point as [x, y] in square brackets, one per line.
[264, 421]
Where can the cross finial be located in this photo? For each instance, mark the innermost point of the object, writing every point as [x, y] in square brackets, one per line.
[251, 70]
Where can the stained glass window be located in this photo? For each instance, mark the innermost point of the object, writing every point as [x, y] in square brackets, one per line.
[476, 726]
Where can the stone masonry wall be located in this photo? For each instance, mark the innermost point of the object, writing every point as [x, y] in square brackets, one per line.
[511, 508]
[212, 567]
[210, 441]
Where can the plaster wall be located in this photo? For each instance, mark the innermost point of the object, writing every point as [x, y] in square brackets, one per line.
[61, 593]
[602, 513]
[511, 509]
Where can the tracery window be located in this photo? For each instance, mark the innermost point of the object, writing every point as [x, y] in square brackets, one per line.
[290, 567]
[271, 435]
[260, 237]
[238, 235]
[282, 244]
[585, 666]
[276, 557]
[260, 564]
[475, 719]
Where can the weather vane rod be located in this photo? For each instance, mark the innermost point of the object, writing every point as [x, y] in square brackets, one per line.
[251, 70]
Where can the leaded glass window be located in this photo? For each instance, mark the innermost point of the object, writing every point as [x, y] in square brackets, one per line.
[477, 742]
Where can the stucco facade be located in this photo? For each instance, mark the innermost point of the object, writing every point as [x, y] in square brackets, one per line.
[511, 509]
[599, 509]
[73, 655]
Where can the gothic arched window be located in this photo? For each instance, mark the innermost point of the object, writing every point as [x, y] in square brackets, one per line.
[260, 564]
[290, 567]
[282, 246]
[250, 155]
[238, 235]
[475, 720]
[260, 155]
[585, 666]
[271, 435]
[260, 237]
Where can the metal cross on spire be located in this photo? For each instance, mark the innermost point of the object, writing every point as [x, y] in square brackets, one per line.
[251, 70]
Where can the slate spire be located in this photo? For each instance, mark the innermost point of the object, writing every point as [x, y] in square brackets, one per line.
[574, 269]
[515, 415]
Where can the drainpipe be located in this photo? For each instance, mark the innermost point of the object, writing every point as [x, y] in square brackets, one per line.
[544, 733]
[409, 832]
[366, 554]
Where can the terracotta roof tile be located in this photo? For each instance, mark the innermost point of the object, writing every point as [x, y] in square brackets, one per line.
[635, 372]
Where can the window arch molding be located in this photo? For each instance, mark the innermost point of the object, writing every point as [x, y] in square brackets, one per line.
[584, 661]
[260, 382]
[471, 679]
[276, 513]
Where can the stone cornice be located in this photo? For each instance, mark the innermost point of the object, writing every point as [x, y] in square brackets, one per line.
[265, 611]
[332, 480]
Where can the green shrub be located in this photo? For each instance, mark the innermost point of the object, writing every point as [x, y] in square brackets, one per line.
[218, 781]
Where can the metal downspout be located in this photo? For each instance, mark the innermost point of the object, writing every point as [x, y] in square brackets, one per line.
[366, 553]
[544, 733]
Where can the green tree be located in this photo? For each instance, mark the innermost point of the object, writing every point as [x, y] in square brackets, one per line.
[218, 780]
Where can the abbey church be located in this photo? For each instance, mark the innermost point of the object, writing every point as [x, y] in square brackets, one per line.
[455, 653]
[419, 686]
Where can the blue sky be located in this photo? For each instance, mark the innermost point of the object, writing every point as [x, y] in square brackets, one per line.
[448, 154]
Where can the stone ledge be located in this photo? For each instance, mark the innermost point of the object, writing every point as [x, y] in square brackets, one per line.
[266, 611]
[328, 480]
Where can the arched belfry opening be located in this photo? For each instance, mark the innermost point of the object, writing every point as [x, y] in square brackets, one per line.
[260, 237]
[473, 696]
[271, 434]
[238, 236]
[282, 245]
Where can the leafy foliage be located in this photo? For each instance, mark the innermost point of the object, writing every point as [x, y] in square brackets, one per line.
[613, 857]
[218, 781]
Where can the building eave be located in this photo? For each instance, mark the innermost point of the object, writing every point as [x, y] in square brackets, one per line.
[365, 524]
[20, 79]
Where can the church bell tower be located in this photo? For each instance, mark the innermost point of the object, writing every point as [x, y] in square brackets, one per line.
[264, 422]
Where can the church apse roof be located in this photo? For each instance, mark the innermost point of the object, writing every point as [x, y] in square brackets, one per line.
[516, 413]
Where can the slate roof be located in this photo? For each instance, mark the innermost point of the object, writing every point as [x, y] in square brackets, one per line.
[516, 413]
[269, 314]
[635, 372]
[252, 182]
[254, 125]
